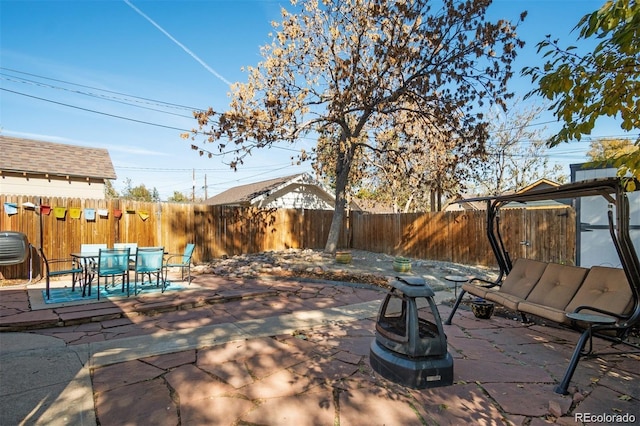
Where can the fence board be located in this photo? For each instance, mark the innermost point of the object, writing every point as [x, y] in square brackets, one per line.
[458, 237]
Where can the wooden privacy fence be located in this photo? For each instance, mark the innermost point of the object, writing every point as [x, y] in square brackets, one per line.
[547, 235]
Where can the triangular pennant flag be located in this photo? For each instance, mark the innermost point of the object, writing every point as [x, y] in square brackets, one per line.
[75, 212]
[103, 212]
[59, 212]
[117, 213]
[45, 210]
[144, 215]
[28, 205]
[90, 214]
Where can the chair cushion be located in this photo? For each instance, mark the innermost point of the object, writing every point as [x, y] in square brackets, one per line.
[477, 290]
[553, 314]
[509, 301]
[604, 288]
[558, 284]
[523, 277]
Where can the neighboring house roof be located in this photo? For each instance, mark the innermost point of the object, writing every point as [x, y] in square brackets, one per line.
[459, 202]
[253, 193]
[47, 158]
[539, 184]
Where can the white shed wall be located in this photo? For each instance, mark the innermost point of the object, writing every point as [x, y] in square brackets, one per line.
[594, 245]
[52, 187]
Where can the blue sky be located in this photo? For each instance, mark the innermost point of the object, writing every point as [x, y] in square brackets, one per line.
[54, 52]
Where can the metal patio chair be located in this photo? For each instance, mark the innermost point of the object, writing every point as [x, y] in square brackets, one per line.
[149, 261]
[182, 261]
[133, 247]
[112, 263]
[60, 267]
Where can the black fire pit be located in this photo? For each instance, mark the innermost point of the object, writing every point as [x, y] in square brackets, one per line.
[410, 347]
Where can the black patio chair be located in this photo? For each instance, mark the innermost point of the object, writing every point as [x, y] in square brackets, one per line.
[60, 267]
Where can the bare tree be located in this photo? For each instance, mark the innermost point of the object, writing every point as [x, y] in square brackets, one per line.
[353, 69]
[516, 154]
[412, 177]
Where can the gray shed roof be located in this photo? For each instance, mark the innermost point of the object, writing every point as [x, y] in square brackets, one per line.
[37, 157]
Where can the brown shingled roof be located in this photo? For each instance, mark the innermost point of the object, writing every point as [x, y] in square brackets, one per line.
[38, 157]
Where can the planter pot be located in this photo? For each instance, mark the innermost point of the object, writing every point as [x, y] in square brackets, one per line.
[482, 310]
[401, 264]
[343, 257]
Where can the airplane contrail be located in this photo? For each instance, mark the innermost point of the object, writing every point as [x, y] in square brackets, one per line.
[182, 46]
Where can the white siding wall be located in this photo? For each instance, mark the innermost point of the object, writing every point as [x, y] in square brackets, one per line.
[299, 197]
[53, 187]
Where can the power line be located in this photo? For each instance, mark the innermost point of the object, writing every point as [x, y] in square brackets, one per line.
[94, 111]
[159, 102]
[93, 95]
[213, 154]
[174, 105]
[155, 101]
[161, 169]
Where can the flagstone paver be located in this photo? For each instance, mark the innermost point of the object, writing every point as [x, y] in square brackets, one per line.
[465, 403]
[527, 400]
[147, 402]
[222, 410]
[368, 406]
[193, 384]
[309, 409]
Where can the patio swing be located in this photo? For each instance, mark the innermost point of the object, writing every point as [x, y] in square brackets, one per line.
[612, 190]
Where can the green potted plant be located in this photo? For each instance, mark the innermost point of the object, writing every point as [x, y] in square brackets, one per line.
[401, 264]
[343, 256]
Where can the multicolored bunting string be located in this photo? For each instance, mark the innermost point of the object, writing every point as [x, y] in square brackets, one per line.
[74, 212]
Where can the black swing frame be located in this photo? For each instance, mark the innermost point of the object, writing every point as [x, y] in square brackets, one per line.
[614, 192]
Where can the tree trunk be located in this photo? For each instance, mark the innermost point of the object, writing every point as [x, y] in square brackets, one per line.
[335, 229]
[343, 165]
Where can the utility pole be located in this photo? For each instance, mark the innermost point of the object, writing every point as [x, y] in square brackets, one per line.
[205, 187]
[193, 188]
